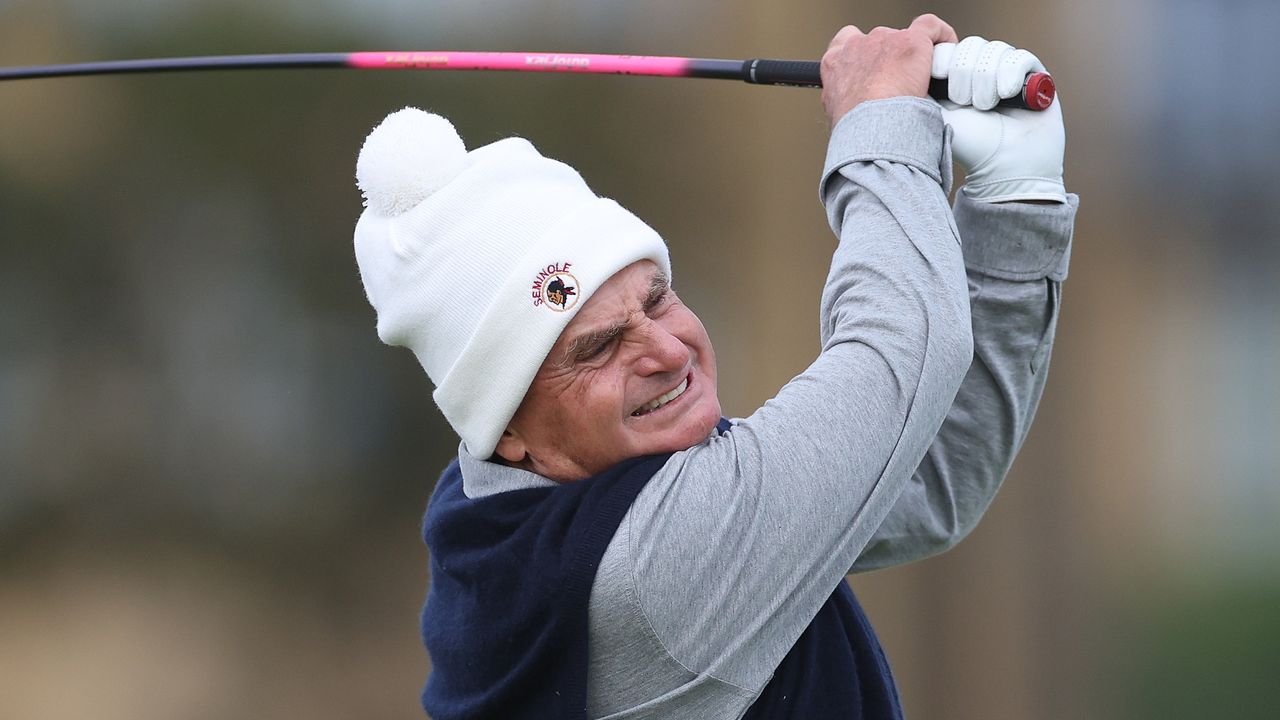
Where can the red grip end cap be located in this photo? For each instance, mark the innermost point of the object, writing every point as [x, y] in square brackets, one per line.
[1039, 91]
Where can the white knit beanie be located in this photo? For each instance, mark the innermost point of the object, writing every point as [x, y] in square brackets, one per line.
[476, 261]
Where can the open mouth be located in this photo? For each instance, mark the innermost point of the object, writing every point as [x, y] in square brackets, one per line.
[663, 399]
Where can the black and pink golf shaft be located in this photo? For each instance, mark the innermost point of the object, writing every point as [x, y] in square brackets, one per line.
[1037, 92]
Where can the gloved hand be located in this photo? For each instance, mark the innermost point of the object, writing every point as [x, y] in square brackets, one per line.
[1007, 154]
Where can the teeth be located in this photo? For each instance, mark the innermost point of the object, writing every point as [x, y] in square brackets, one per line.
[661, 400]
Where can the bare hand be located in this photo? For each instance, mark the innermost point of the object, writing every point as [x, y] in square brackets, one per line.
[883, 63]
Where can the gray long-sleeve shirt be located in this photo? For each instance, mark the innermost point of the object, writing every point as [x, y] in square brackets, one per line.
[887, 449]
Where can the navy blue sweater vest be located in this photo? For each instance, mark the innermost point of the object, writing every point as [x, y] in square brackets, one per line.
[505, 621]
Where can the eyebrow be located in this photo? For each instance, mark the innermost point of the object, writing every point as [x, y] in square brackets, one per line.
[592, 340]
[659, 285]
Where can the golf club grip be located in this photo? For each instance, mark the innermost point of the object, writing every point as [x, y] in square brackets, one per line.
[800, 73]
[1037, 91]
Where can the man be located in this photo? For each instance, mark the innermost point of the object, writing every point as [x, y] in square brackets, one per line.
[605, 545]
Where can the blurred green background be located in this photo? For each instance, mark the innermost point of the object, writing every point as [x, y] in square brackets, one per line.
[212, 474]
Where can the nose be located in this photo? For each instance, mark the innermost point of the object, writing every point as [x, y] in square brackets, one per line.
[661, 351]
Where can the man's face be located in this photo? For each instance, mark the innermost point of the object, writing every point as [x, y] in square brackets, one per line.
[632, 374]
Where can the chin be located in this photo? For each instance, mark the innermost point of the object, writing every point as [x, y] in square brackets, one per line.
[709, 419]
[696, 426]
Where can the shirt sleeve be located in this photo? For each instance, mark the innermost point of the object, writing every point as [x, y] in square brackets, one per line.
[736, 543]
[1016, 256]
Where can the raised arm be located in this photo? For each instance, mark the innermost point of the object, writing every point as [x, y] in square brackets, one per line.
[736, 543]
[1016, 256]
[1015, 222]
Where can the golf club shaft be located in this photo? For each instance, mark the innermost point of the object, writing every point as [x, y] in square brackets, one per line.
[1037, 91]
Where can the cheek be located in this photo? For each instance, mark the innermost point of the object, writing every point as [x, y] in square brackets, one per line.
[552, 395]
[599, 396]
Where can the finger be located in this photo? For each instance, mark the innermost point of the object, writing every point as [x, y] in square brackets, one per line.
[1013, 71]
[842, 36]
[985, 96]
[942, 53]
[963, 60]
[935, 27]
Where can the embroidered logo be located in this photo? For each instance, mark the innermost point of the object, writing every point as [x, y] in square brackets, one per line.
[555, 287]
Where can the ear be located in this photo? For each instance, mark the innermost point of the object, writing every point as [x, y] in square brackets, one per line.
[511, 448]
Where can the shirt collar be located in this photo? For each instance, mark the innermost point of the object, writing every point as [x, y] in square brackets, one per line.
[481, 478]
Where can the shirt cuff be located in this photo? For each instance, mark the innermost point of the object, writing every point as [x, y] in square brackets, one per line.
[1016, 241]
[907, 130]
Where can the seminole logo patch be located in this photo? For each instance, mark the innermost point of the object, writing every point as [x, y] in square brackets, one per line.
[555, 287]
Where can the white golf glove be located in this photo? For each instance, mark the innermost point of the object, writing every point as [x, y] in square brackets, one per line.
[1007, 154]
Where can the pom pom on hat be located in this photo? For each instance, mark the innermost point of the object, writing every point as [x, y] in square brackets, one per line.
[410, 155]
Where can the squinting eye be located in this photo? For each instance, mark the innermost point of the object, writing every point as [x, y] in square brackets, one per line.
[596, 351]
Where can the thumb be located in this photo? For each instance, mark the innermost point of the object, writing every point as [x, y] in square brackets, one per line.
[942, 53]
